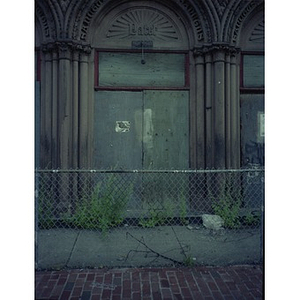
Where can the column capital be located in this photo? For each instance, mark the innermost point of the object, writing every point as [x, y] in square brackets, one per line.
[215, 48]
[65, 48]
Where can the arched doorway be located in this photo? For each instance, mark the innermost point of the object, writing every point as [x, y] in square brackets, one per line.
[142, 89]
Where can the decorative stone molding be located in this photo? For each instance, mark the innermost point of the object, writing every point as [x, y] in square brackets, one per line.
[258, 33]
[220, 6]
[64, 5]
[65, 47]
[239, 22]
[46, 21]
[216, 47]
[194, 16]
[143, 23]
[88, 18]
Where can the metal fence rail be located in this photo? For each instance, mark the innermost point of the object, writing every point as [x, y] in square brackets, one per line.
[105, 200]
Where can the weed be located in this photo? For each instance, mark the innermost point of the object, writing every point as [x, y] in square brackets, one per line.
[104, 208]
[228, 204]
[158, 215]
[189, 261]
[182, 209]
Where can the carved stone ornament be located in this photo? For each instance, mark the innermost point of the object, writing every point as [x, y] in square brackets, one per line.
[224, 47]
[65, 47]
[258, 33]
[143, 24]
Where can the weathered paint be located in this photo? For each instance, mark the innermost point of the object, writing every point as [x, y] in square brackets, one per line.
[156, 127]
[252, 142]
[141, 69]
[113, 149]
[169, 133]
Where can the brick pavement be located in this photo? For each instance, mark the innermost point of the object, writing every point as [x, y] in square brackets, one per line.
[234, 282]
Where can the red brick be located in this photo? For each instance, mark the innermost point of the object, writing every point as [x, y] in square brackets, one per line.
[137, 296]
[203, 287]
[197, 295]
[136, 286]
[76, 291]
[156, 296]
[126, 293]
[164, 283]
[79, 282]
[212, 286]
[217, 295]
[65, 295]
[126, 284]
[166, 293]
[57, 290]
[222, 287]
[186, 293]
[46, 292]
[175, 288]
[146, 289]
[106, 294]
[117, 290]
[154, 287]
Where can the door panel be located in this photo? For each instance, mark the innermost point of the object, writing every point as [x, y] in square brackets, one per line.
[252, 129]
[166, 130]
[117, 137]
[141, 130]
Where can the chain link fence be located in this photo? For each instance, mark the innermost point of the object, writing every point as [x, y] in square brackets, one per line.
[218, 205]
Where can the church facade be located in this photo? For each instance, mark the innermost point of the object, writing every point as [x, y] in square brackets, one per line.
[175, 84]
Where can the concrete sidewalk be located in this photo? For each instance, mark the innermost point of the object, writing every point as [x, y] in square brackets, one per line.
[231, 282]
[127, 247]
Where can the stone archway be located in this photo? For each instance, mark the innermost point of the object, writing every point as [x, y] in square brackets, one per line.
[142, 79]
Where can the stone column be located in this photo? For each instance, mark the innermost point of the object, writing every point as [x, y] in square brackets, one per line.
[64, 107]
[228, 101]
[235, 110]
[200, 113]
[54, 136]
[64, 100]
[45, 107]
[218, 66]
[83, 112]
[208, 112]
[218, 108]
[75, 109]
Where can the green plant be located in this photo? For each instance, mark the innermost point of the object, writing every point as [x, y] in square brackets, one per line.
[182, 209]
[155, 218]
[158, 215]
[251, 219]
[228, 204]
[104, 208]
[189, 261]
[45, 207]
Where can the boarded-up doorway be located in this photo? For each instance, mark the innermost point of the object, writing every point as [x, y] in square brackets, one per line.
[146, 129]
